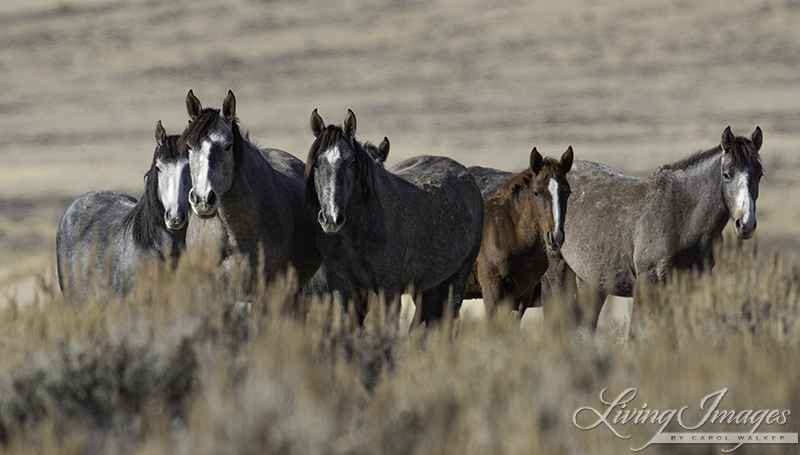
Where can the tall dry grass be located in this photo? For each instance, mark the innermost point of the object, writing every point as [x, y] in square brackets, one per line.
[189, 365]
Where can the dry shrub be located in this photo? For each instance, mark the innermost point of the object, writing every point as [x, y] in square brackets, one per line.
[189, 363]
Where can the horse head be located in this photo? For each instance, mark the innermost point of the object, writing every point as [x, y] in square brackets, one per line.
[214, 146]
[741, 174]
[171, 178]
[550, 191]
[337, 164]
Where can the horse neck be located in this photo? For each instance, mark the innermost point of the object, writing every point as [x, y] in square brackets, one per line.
[238, 205]
[522, 209]
[698, 190]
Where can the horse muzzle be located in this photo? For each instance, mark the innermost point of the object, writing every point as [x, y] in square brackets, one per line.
[744, 230]
[331, 224]
[175, 223]
[204, 206]
[554, 241]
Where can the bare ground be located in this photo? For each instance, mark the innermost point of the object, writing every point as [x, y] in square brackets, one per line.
[632, 84]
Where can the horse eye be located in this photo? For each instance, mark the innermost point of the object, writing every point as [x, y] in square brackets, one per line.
[228, 147]
[726, 176]
[536, 193]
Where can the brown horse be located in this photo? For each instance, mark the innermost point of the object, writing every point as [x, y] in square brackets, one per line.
[521, 222]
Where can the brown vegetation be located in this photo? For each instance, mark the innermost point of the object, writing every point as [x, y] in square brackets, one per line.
[181, 367]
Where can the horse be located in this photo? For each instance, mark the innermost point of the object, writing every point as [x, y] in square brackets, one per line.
[103, 226]
[246, 200]
[322, 282]
[625, 231]
[416, 225]
[523, 220]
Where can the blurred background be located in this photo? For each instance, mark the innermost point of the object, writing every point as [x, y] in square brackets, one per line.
[632, 84]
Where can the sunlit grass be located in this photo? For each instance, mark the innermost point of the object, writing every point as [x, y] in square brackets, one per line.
[187, 364]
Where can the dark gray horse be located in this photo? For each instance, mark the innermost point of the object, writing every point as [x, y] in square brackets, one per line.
[108, 229]
[246, 199]
[322, 282]
[624, 230]
[417, 225]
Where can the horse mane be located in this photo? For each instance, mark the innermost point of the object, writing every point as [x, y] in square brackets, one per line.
[146, 217]
[551, 168]
[329, 137]
[208, 118]
[742, 152]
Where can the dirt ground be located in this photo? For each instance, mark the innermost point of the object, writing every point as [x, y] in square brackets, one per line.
[628, 83]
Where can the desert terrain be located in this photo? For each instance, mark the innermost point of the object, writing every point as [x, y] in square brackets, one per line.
[631, 84]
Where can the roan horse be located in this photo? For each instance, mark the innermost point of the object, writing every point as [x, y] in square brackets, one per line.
[246, 200]
[416, 225]
[523, 220]
[322, 282]
[110, 229]
[624, 231]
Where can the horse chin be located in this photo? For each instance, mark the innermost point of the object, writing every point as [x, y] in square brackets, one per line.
[743, 234]
[330, 229]
[204, 211]
[175, 225]
[553, 247]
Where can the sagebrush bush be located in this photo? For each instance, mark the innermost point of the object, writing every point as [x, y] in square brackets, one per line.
[189, 363]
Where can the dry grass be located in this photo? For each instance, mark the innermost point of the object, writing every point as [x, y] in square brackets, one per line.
[183, 367]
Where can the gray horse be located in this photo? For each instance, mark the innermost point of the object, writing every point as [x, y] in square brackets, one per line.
[416, 225]
[108, 229]
[246, 199]
[624, 230]
[322, 282]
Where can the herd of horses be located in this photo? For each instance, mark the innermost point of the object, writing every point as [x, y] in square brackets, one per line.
[427, 226]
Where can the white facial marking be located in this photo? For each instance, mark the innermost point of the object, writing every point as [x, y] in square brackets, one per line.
[553, 187]
[169, 185]
[745, 208]
[201, 180]
[333, 155]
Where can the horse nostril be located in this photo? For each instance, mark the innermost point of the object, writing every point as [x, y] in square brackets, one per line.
[549, 237]
[321, 217]
[211, 199]
[738, 223]
[192, 197]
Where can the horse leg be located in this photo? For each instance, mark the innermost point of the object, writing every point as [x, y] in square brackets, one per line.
[558, 286]
[430, 308]
[589, 303]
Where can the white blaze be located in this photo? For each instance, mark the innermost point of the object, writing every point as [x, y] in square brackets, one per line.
[553, 187]
[333, 155]
[745, 208]
[169, 185]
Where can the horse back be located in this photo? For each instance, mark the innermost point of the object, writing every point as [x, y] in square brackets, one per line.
[489, 180]
[602, 217]
[442, 212]
[89, 225]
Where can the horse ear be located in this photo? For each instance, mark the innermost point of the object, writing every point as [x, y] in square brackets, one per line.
[350, 124]
[383, 150]
[536, 161]
[756, 138]
[229, 107]
[317, 125]
[566, 160]
[727, 138]
[193, 106]
[161, 135]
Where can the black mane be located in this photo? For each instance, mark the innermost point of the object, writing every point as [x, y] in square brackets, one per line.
[146, 218]
[742, 152]
[198, 128]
